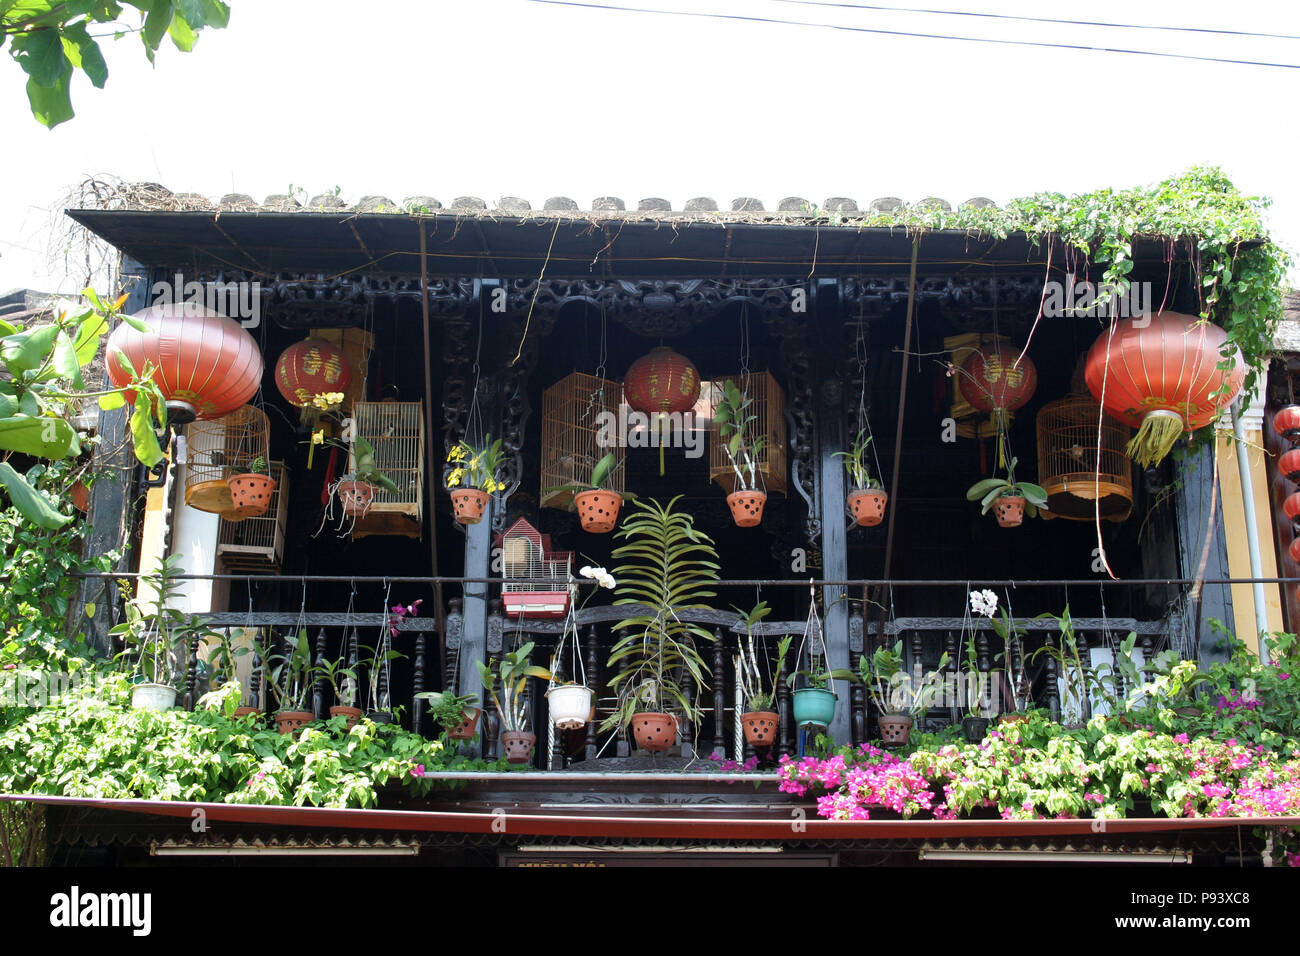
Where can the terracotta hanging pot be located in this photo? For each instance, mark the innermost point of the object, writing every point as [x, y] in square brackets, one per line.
[468, 727]
[598, 509]
[518, 745]
[289, 721]
[1010, 511]
[747, 507]
[244, 711]
[353, 714]
[654, 731]
[251, 492]
[355, 496]
[760, 727]
[467, 504]
[868, 506]
[895, 729]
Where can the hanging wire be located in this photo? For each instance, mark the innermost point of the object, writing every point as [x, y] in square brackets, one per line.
[474, 434]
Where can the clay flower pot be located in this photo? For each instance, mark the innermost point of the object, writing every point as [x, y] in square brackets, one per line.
[355, 496]
[760, 727]
[653, 731]
[895, 729]
[251, 493]
[353, 714]
[598, 509]
[467, 504]
[468, 727]
[1010, 511]
[747, 507]
[289, 721]
[868, 506]
[80, 496]
[518, 745]
[244, 711]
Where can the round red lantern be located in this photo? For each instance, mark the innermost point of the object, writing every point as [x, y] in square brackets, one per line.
[1288, 464]
[205, 364]
[1291, 505]
[1287, 422]
[1161, 374]
[662, 381]
[998, 378]
[1294, 550]
[309, 368]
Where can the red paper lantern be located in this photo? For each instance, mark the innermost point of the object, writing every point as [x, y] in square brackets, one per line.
[1287, 422]
[205, 364]
[1291, 505]
[997, 378]
[1288, 464]
[309, 368]
[662, 381]
[1294, 550]
[1160, 372]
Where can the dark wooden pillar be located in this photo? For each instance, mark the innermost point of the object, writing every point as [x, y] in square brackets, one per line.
[112, 498]
[826, 336]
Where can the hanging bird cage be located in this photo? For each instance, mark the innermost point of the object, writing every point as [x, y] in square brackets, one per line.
[575, 412]
[1068, 459]
[219, 448]
[251, 545]
[769, 407]
[527, 554]
[396, 432]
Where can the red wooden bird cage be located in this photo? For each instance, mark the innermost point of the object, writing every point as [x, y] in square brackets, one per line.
[540, 586]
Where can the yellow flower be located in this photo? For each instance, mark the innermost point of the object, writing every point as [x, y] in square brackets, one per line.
[456, 454]
[318, 436]
[453, 479]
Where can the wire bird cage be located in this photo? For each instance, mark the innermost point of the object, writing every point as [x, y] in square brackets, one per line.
[396, 432]
[526, 553]
[219, 448]
[769, 406]
[1068, 461]
[575, 412]
[252, 545]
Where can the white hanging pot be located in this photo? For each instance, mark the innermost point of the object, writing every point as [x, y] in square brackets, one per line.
[570, 705]
[158, 697]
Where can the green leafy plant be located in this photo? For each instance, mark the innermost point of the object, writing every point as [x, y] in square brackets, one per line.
[668, 567]
[758, 682]
[737, 429]
[855, 463]
[476, 466]
[156, 634]
[376, 661]
[258, 466]
[446, 709]
[224, 654]
[512, 672]
[987, 491]
[601, 474]
[342, 681]
[289, 670]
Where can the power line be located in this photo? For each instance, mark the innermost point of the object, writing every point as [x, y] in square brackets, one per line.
[923, 36]
[1008, 16]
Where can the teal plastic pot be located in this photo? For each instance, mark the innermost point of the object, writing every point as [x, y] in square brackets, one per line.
[814, 707]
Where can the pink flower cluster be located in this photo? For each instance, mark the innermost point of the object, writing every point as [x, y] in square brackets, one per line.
[875, 780]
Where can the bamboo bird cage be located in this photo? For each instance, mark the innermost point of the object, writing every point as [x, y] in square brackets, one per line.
[251, 545]
[769, 407]
[575, 411]
[396, 432]
[1068, 461]
[219, 448]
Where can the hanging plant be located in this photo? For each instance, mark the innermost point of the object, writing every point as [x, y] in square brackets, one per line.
[736, 426]
[597, 504]
[1011, 499]
[474, 476]
[867, 499]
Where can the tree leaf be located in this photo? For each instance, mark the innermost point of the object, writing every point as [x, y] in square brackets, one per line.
[40, 54]
[143, 437]
[39, 436]
[65, 360]
[30, 503]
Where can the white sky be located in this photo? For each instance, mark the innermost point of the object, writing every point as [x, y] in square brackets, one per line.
[507, 97]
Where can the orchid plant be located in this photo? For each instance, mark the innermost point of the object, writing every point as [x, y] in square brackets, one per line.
[476, 466]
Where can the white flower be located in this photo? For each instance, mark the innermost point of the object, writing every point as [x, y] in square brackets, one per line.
[589, 571]
[599, 575]
[984, 602]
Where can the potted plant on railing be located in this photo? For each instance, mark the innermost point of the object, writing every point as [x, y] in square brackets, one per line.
[474, 476]
[289, 675]
[899, 704]
[670, 565]
[223, 667]
[377, 664]
[814, 702]
[569, 699]
[759, 720]
[251, 490]
[357, 489]
[597, 505]
[156, 636]
[975, 723]
[457, 715]
[736, 424]
[867, 500]
[1009, 498]
[511, 704]
[342, 681]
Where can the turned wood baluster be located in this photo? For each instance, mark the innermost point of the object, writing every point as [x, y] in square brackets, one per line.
[984, 661]
[785, 739]
[857, 692]
[451, 646]
[385, 695]
[318, 685]
[918, 668]
[191, 671]
[255, 681]
[686, 730]
[495, 648]
[593, 681]
[623, 747]
[720, 696]
[953, 674]
[418, 704]
[1053, 689]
